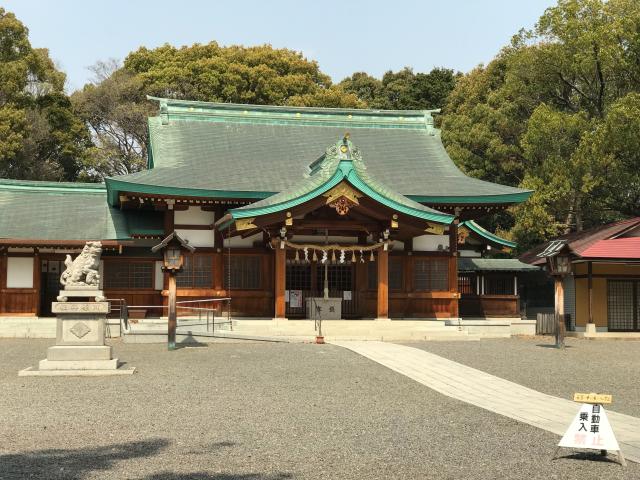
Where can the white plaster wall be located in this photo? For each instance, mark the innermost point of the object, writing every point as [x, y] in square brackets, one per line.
[20, 272]
[238, 242]
[193, 216]
[198, 238]
[469, 253]
[159, 277]
[429, 243]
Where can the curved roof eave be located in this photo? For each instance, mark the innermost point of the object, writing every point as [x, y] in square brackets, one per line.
[486, 234]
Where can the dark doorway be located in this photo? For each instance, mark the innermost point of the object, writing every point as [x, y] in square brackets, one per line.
[49, 284]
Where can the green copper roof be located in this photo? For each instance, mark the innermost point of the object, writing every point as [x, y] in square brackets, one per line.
[230, 150]
[342, 161]
[487, 235]
[466, 264]
[66, 211]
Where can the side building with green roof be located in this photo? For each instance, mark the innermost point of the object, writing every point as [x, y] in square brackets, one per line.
[283, 205]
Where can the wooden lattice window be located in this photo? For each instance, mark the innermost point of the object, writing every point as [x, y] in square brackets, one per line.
[196, 272]
[246, 272]
[396, 274]
[498, 284]
[431, 274]
[298, 277]
[339, 277]
[128, 274]
[467, 283]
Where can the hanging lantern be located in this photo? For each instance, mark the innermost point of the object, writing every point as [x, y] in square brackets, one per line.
[372, 258]
[315, 256]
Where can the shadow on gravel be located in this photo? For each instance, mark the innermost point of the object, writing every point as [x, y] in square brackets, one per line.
[189, 342]
[74, 464]
[552, 345]
[217, 476]
[590, 456]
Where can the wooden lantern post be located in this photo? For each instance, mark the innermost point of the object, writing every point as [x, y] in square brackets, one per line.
[559, 267]
[173, 248]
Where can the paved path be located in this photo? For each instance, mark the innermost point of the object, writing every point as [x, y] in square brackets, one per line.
[490, 392]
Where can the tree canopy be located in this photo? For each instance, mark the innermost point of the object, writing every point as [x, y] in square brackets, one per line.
[40, 136]
[556, 112]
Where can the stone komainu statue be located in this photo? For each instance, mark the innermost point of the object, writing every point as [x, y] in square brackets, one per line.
[83, 271]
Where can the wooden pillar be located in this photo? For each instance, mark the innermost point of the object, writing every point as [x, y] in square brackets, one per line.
[36, 281]
[168, 229]
[453, 268]
[382, 311]
[590, 287]
[172, 320]
[3, 280]
[280, 281]
[559, 310]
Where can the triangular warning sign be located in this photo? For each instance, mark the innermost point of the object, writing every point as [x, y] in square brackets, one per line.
[590, 429]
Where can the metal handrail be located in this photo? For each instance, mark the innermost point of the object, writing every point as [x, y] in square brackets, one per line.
[210, 312]
[123, 310]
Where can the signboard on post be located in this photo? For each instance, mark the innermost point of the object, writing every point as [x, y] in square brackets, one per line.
[590, 427]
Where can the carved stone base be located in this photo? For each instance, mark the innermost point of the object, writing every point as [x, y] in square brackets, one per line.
[81, 292]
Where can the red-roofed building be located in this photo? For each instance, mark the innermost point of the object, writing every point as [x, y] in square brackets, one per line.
[603, 291]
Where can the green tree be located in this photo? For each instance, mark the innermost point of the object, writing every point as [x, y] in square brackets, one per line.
[543, 114]
[40, 137]
[403, 90]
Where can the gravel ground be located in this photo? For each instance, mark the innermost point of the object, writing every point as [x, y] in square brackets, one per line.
[259, 411]
[603, 366]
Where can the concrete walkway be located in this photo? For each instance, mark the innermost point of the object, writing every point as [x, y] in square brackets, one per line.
[490, 392]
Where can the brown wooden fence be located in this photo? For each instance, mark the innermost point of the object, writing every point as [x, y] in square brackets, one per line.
[546, 323]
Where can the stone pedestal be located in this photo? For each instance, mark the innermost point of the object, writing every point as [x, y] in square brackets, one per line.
[80, 348]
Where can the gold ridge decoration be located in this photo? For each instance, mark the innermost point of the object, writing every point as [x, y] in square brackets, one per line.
[342, 205]
[245, 224]
[434, 228]
[463, 234]
[342, 190]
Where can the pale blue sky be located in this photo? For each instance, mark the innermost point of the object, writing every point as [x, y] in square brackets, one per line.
[343, 36]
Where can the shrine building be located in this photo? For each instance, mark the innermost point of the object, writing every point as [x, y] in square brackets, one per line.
[282, 205]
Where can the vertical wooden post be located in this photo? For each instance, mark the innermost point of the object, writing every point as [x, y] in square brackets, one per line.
[382, 311]
[559, 310]
[590, 287]
[172, 320]
[36, 281]
[3, 280]
[280, 281]
[453, 268]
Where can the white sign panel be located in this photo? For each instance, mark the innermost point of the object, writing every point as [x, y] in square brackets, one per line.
[295, 298]
[590, 429]
[346, 295]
